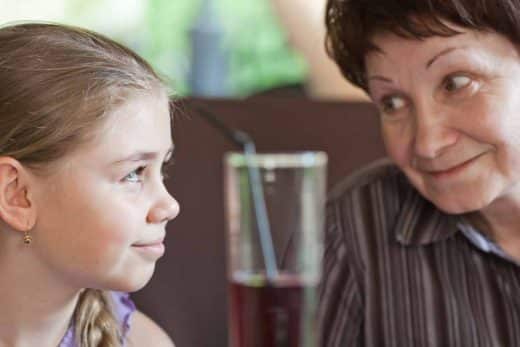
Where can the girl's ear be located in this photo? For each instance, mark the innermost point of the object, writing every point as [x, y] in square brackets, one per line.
[16, 207]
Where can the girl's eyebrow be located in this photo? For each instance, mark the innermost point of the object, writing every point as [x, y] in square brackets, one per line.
[169, 154]
[380, 78]
[144, 156]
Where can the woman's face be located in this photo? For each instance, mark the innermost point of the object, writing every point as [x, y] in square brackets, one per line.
[101, 217]
[450, 115]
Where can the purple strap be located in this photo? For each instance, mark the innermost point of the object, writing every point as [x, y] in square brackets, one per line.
[122, 306]
[123, 309]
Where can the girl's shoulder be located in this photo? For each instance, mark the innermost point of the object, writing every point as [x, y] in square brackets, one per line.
[136, 328]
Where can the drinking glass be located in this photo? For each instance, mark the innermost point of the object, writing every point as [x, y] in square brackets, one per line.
[275, 216]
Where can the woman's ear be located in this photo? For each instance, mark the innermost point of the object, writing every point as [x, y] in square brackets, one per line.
[16, 207]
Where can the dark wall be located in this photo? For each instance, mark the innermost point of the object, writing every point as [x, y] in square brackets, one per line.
[187, 294]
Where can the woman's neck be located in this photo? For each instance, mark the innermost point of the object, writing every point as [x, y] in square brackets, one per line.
[35, 308]
[501, 222]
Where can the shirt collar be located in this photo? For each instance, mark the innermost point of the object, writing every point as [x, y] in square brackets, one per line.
[420, 223]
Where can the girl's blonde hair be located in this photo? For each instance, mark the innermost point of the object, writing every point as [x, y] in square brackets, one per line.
[57, 85]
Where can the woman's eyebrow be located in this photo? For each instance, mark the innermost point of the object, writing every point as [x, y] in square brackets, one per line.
[442, 53]
[428, 64]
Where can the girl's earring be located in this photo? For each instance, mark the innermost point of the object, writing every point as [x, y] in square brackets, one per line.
[27, 238]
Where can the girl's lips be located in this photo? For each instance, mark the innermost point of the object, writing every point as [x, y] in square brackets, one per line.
[149, 242]
[153, 250]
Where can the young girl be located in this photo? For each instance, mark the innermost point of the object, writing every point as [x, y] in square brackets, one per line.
[84, 134]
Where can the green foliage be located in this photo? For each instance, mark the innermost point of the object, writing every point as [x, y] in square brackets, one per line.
[259, 54]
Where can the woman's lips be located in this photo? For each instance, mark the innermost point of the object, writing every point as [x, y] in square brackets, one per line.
[454, 170]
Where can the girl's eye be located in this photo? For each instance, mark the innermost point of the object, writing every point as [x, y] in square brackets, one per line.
[454, 83]
[390, 104]
[166, 168]
[135, 176]
[164, 172]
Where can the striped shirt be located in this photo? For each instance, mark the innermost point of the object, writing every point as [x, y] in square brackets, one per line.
[399, 272]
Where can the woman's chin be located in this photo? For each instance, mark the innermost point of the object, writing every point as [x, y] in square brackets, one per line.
[459, 203]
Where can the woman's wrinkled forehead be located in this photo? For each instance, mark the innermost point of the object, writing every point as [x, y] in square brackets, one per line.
[393, 50]
[411, 30]
[409, 65]
[416, 29]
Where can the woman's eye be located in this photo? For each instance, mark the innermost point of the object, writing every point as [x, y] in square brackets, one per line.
[454, 83]
[135, 176]
[391, 104]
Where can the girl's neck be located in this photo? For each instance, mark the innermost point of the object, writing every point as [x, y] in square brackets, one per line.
[36, 309]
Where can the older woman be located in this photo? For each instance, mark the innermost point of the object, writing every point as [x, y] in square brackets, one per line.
[424, 249]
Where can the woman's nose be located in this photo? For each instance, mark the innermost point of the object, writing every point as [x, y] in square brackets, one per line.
[433, 133]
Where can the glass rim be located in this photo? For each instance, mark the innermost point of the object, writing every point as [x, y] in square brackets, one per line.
[267, 160]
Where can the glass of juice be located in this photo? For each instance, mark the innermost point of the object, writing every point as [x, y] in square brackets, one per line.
[275, 213]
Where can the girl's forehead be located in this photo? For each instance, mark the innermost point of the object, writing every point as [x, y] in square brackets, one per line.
[139, 124]
[136, 114]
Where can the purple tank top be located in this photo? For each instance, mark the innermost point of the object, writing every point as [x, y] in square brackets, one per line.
[123, 309]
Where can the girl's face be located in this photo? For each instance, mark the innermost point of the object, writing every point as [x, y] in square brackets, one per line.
[450, 115]
[101, 217]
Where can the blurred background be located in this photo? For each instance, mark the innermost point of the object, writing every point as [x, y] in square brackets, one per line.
[213, 48]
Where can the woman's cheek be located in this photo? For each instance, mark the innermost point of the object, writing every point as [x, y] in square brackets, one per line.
[397, 146]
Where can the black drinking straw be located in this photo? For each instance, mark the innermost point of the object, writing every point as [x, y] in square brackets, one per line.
[246, 144]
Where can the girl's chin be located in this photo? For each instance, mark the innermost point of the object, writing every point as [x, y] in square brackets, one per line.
[132, 282]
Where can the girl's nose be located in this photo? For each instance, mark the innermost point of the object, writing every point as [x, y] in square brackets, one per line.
[164, 211]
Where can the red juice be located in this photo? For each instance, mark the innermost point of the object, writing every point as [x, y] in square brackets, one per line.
[280, 314]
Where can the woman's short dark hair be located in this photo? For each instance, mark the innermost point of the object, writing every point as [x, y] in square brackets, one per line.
[351, 25]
